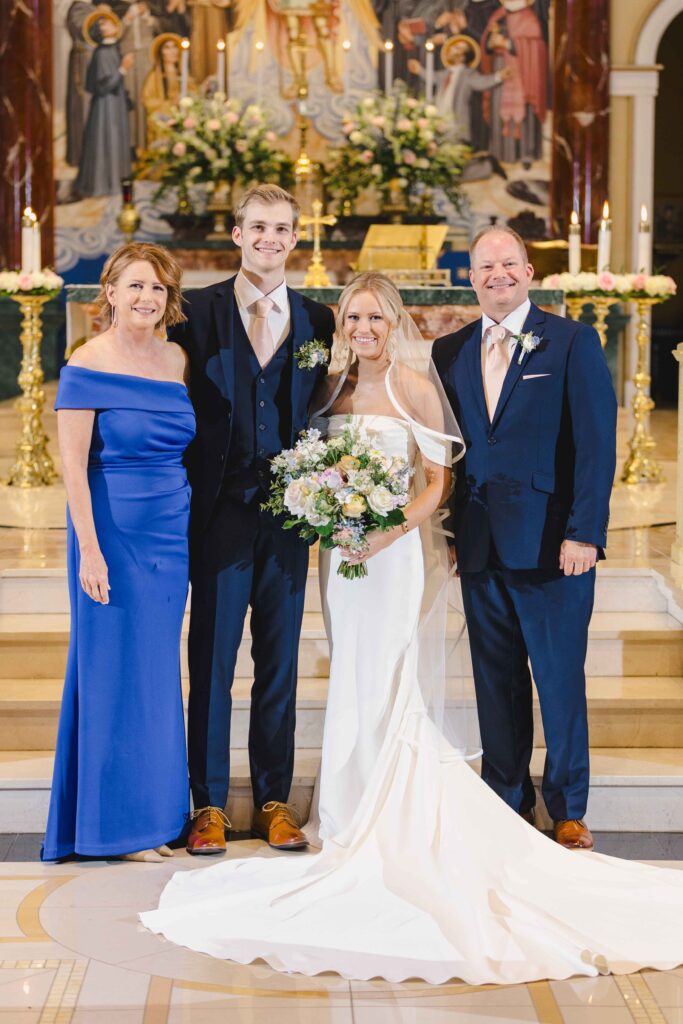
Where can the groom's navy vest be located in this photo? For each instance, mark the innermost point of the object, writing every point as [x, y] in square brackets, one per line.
[261, 425]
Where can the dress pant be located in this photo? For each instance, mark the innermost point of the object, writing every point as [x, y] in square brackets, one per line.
[538, 615]
[244, 560]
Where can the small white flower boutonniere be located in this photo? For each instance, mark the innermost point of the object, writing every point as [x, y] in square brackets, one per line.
[311, 354]
[527, 342]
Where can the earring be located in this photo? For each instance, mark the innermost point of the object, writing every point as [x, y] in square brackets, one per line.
[114, 320]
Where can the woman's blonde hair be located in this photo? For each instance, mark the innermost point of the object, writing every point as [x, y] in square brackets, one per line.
[165, 267]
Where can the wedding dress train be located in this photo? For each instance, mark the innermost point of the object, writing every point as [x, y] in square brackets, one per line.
[424, 872]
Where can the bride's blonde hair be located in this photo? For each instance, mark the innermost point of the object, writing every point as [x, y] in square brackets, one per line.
[387, 295]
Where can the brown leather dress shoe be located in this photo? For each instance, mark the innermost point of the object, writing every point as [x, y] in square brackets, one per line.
[275, 823]
[208, 831]
[572, 834]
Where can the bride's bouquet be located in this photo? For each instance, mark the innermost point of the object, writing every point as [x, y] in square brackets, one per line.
[339, 490]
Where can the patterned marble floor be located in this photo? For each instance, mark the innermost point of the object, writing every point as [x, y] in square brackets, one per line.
[73, 952]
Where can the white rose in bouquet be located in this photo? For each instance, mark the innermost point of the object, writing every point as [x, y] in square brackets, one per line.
[381, 500]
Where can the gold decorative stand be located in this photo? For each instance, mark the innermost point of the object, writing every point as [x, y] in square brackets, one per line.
[600, 304]
[316, 275]
[34, 466]
[639, 467]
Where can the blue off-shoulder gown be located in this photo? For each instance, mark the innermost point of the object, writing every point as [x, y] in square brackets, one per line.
[120, 778]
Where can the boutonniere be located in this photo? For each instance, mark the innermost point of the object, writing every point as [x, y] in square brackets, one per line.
[311, 354]
[527, 342]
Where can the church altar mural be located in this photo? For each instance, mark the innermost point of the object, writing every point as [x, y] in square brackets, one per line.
[121, 68]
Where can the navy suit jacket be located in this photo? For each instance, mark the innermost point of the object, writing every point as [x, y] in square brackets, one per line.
[543, 470]
[207, 338]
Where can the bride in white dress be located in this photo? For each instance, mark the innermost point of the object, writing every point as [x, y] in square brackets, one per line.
[423, 872]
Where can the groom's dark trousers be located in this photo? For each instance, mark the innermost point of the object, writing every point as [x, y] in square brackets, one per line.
[539, 473]
[240, 556]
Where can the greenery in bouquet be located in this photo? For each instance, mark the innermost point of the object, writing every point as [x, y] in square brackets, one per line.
[213, 141]
[339, 490]
[624, 287]
[395, 138]
[24, 282]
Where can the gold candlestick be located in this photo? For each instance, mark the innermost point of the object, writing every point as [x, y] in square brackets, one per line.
[34, 466]
[316, 276]
[575, 304]
[639, 467]
[600, 304]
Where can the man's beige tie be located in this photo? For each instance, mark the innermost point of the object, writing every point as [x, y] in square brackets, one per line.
[260, 335]
[495, 366]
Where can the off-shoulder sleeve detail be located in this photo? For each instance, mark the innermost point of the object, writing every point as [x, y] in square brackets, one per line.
[81, 388]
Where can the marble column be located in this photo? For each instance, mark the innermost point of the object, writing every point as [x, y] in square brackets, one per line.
[26, 162]
[580, 115]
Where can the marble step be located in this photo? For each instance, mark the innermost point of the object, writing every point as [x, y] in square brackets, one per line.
[34, 646]
[639, 790]
[45, 591]
[644, 711]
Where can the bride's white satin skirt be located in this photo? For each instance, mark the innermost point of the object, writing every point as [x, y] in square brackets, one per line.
[430, 875]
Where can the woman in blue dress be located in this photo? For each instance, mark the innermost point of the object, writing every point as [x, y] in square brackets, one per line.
[120, 786]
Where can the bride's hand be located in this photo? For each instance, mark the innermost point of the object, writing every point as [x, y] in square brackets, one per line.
[376, 541]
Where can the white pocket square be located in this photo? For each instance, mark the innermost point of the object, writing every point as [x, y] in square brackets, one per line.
[534, 376]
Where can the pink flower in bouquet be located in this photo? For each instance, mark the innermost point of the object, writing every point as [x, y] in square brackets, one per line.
[408, 157]
[179, 149]
[270, 137]
[639, 282]
[231, 117]
[331, 478]
[403, 124]
[25, 282]
[432, 148]
[367, 156]
[423, 122]
[412, 103]
[241, 146]
[348, 127]
[378, 121]
[606, 281]
[213, 124]
[189, 122]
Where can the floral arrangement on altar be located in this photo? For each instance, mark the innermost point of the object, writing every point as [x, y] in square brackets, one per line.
[339, 490]
[395, 140]
[214, 141]
[24, 282]
[617, 286]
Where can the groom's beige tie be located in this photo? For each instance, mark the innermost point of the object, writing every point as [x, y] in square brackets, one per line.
[495, 366]
[260, 334]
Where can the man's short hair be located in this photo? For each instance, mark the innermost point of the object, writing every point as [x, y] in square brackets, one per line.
[500, 229]
[266, 194]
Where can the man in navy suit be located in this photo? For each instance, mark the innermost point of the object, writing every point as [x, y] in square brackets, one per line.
[535, 404]
[251, 400]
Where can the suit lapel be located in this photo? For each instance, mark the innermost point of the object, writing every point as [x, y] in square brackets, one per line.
[472, 356]
[302, 331]
[534, 322]
[223, 308]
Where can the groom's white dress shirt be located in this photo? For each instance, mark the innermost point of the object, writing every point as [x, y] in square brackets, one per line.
[247, 295]
[513, 322]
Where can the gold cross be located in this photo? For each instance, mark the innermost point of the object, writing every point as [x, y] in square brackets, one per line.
[316, 276]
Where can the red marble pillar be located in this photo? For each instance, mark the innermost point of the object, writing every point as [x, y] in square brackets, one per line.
[580, 115]
[26, 164]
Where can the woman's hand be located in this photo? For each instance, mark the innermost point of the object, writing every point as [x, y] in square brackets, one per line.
[375, 541]
[94, 576]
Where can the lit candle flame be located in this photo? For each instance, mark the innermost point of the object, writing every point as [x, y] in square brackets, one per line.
[429, 45]
[574, 218]
[605, 210]
[643, 214]
[260, 45]
[388, 46]
[185, 43]
[346, 45]
[220, 45]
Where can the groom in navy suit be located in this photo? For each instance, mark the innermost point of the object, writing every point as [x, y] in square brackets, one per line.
[535, 404]
[251, 399]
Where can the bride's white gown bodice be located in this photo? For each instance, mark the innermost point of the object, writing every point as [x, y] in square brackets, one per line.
[424, 872]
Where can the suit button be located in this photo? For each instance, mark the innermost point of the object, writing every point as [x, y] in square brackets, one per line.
[262, 426]
[493, 440]
[262, 380]
[221, 457]
[262, 451]
[262, 404]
